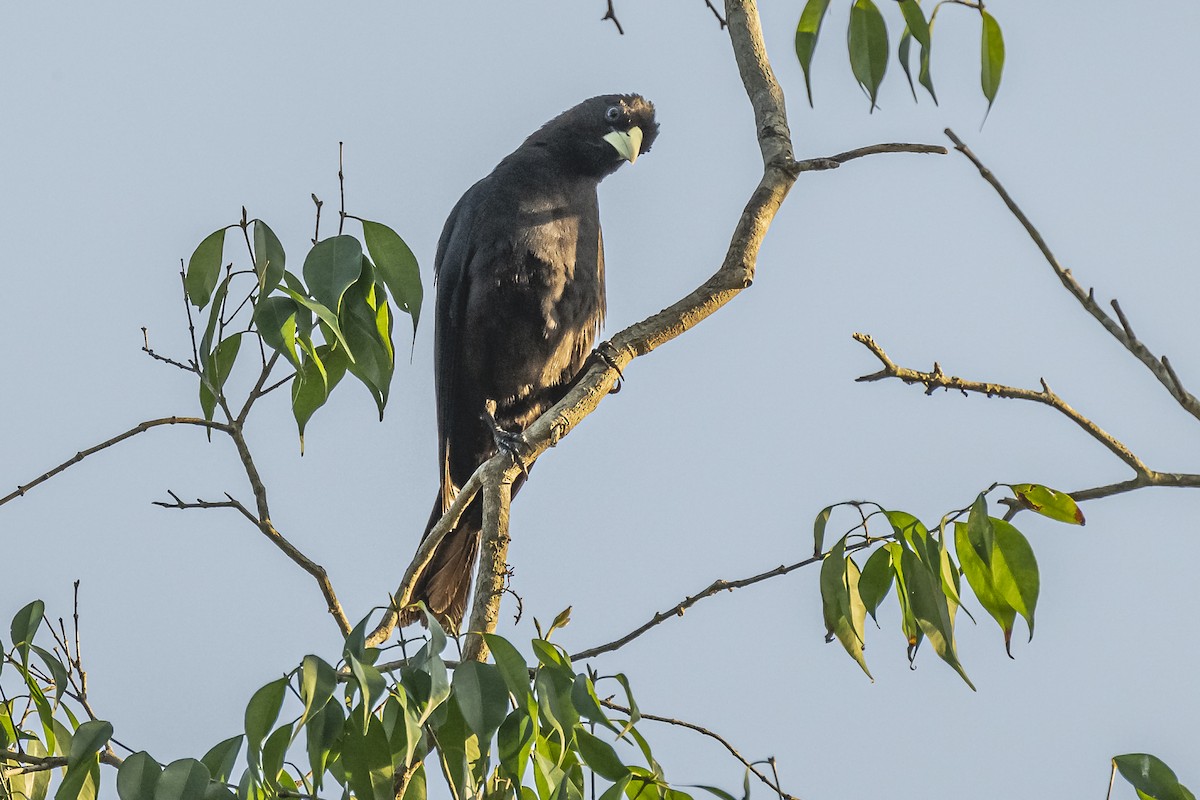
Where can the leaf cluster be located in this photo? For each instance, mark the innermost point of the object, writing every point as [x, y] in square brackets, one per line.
[869, 49]
[995, 558]
[331, 319]
[362, 729]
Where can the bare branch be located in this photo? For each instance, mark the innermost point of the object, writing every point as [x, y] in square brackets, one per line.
[268, 529]
[43, 763]
[146, 349]
[939, 380]
[716, 13]
[712, 735]
[1121, 331]
[610, 14]
[677, 610]
[141, 427]
[833, 162]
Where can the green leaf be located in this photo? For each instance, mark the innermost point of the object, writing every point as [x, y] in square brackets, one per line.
[220, 365]
[371, 684]
[807, 31]
[1151, 777]
[514, 741]
[323, 729]
[221, 758]
[88, 739]
[902, 54]
[1015, 571]
[925, 77]
[268, 258]
[992, 52]
[275, 321]
[45, 716]
[635, 715]
[914, 18]
[31, 785]
[57, 671]
[819, 530]
[980, 532]
[979, 577]
[868, 44]
[551, 656]
[931, 610]
[273, 753]
[583, 697]
[317, 683]
[25, 624]
[599, 756]
[81, 782]
[331, 267]
[366, 323]
[261, 713]
[326, 316]
[137, 777]
[1049, 503]
[617, 790]
[482, 697]
[512, 667]
[843, 606]
[185, 779]
[204, 268]
[397, 266]
[876, 580]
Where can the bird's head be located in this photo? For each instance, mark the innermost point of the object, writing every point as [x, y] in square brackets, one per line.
[601, 133]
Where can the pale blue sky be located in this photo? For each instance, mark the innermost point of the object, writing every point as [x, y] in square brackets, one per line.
[129, 132]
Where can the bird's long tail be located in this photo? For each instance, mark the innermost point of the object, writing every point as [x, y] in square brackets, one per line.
[445, 583]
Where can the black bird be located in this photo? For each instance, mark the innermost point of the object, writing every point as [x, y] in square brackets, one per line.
[520, 300]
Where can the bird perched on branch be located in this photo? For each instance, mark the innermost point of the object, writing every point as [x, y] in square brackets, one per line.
[520, 300]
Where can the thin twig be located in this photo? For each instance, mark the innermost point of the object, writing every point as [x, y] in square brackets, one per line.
[712, 735]
[833, 162]
[940, 380]
[187, 307]
[317, 229]
[43, 763]
[268, 529]
[146, 349]
[716, 13]
[141, 427]
[1120, 330]
[679, 608]
[610, 14]
[257, 391]
[341, 191]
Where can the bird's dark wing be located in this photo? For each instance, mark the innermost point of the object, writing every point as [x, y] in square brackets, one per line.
[453, 275]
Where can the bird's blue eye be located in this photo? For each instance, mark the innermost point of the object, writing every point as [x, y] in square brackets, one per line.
[613, 114]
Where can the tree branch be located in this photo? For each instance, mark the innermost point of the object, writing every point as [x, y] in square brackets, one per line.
[677, 610]
[1120, 328]
[141, 427]
[940, 380]
[268, 529]
[493, 561]
[712, 735]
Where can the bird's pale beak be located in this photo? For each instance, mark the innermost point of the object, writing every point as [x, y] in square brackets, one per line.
[627, 143]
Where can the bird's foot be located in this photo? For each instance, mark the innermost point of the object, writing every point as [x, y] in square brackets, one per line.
[511, 442]
[606, 352]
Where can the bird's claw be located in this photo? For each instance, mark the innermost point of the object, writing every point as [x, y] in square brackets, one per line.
[606, 352]
[511, 442]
